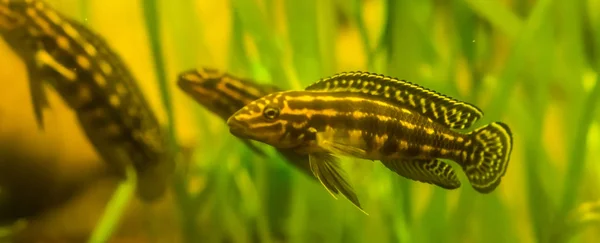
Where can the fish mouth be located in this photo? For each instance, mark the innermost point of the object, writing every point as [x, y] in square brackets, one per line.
[184, 84]
[237, 128]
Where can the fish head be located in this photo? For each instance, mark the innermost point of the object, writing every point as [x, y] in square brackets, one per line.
[201, 84]
[13, 14]
[220, 92]
[264, 120]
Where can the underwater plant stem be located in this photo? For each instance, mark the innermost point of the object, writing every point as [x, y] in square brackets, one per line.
[516, 58]
[364, 35]
[153, 27]
[84, 10]
[114, 208]
[150, 8]
[188, 210]
[578, 152]
[389, 45]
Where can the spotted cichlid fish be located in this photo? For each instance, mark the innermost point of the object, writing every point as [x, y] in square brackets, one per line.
[369, 116]
[224, 94]
[93, 81]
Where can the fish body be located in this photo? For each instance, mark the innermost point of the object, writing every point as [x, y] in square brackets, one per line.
[93, 81]
[223, 94]
[406, 127]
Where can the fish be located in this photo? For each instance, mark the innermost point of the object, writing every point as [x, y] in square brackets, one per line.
[223, 94]
[94, 81]
[408, 128]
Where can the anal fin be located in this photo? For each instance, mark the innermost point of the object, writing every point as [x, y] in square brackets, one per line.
[326, 168]
[429, 171]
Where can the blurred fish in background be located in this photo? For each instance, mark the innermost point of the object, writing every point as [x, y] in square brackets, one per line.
[95, 82]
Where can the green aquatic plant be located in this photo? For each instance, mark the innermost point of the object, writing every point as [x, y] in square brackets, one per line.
[114, 209]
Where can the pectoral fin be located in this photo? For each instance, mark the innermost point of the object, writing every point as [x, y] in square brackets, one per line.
[326, 168]
[340, 148]
[429, 171]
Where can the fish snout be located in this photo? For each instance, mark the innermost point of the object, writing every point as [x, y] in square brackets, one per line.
[185, 80]
[237, 127]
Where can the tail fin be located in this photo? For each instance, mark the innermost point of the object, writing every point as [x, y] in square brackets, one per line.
[488, 153]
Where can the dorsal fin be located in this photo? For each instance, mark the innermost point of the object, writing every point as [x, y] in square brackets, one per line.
[437, 107]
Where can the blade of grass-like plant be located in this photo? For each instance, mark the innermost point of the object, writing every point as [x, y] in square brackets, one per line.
[84, 9]
[257, 24]
[362, 30]
[401, 227]
[577, 155]
[187, 38]
[238, 61]
[516, 58]
[402, 45]
[278, 182]
[535, 101]
[381, 44]
[394, 44]
[152, 22]
[469, 38]
[498, 15]
[465, 21]
[523, 34]
[115, 208]
[464, 213]
[186, 33]
[496, 226]
[540, 204]
[253, 191]
[578, 149]
[303, 36]
[327, 36]
[434, 218]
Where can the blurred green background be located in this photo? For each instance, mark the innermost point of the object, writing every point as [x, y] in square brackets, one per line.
[532, 64]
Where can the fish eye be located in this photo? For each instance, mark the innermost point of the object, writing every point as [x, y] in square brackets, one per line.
[271, 112]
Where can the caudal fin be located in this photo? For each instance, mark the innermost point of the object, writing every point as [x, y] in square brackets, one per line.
[488, 153]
